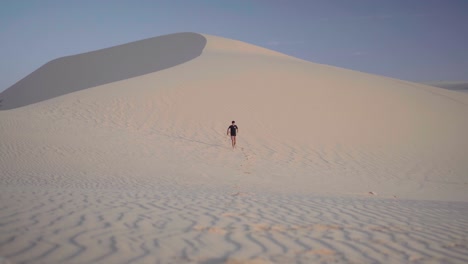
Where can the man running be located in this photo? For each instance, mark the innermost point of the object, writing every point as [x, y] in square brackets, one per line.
[233, 129]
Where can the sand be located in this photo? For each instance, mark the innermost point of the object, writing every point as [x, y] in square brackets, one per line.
[332, 165]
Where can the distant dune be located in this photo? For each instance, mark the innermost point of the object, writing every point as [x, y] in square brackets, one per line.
[121, 156]
[455, 86]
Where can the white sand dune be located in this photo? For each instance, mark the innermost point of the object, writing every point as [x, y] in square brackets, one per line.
[107, 162]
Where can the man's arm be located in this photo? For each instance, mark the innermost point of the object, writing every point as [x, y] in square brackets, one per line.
[227, 132]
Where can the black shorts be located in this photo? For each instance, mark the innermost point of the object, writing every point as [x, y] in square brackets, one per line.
[233, 134]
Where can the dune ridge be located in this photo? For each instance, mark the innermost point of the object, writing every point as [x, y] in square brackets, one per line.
[74, 73]
[332, 165]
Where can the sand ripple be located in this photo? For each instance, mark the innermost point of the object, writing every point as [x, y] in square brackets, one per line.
[214, 226]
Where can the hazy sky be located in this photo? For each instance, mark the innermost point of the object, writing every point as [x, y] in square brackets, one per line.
[417, 40]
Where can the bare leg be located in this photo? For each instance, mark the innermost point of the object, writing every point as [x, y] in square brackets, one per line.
[233, 140]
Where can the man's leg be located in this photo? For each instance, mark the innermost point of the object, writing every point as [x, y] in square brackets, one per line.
[233, 141]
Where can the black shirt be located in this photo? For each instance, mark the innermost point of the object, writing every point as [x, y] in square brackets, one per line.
[233, 129]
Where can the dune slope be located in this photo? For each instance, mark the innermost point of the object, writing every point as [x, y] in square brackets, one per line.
[316, 127]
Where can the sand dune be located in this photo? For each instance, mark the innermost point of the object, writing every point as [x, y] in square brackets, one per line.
[454, 86]
[130, 163]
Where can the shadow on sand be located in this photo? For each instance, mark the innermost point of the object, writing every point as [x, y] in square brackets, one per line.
[74, 73]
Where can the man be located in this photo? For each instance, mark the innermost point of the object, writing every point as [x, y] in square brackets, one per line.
[233, 130]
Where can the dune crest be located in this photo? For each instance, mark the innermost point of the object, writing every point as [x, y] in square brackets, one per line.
[74, 73]
[223, 45]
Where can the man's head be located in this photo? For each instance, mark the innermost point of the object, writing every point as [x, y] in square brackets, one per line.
[233, 122]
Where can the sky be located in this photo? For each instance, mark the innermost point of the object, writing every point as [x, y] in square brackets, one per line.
[415, 40]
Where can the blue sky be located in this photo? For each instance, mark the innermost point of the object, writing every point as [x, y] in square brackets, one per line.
[416, 40]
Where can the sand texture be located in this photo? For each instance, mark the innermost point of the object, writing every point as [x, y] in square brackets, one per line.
[121, 156]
